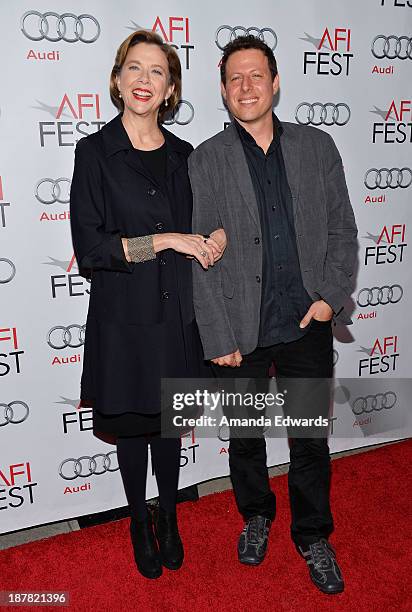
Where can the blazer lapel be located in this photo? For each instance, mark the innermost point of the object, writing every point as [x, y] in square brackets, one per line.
[134, 162]
[236, 159]
[292, 158]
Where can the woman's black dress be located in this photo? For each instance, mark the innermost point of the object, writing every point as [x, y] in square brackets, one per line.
[179, 345]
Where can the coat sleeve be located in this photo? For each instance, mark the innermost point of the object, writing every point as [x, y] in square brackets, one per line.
[342, 246]
[211, 315]
[95, 248]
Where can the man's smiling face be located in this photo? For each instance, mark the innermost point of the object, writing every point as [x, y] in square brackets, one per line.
[249, 88]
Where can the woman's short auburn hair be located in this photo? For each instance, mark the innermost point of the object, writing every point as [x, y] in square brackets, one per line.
[175, 69]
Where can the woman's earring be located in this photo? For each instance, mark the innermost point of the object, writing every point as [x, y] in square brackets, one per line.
[166, 103]
[120, 95]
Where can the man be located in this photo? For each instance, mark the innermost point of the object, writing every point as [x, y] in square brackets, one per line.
[278, 190]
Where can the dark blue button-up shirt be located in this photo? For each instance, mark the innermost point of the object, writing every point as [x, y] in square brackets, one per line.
[284, 298]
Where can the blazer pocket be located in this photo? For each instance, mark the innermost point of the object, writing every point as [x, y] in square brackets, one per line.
[228, 285]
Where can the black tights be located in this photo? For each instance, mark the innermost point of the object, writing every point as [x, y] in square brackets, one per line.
[132, 453]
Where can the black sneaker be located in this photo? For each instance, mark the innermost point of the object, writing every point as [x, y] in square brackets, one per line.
[253, 540]
[323, 567]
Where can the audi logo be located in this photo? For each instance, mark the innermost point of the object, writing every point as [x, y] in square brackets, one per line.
[10, 274]
[225, 34]
[85, 466]
[388, 177]
[50, 191]
[370, 403]
[322, 114]
[379, 295]
[335, 357]
[392, 47]
[14, 412]
[182, 114]
[72, 336]
[223, 433]
[54, 27]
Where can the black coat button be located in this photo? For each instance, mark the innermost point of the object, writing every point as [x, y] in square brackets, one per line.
[159, 227]
[151, 191]
[162, 261]
[258, 279]
[257, 240]
[165, 295]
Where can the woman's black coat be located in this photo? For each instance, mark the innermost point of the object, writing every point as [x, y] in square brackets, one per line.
[133, 307]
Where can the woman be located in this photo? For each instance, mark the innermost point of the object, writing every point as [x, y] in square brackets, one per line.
[131, 209]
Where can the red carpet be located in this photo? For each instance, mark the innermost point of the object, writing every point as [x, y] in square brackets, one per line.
[371, 502]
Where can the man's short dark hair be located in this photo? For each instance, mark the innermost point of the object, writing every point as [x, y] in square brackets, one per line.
[247, 42]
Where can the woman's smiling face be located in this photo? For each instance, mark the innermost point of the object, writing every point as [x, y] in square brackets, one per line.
[144, 80]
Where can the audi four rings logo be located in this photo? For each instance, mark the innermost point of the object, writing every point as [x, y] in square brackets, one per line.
[50, 191]
[335, 357]
[379, 295]
[370, 403]
[83, 467]
[6, 277]
[322, 114]
[223, 433]
[14, 412]
[383, 178]
[225, 34]
[392, 47]
[54, 27]
[72, 336]
[182, 114]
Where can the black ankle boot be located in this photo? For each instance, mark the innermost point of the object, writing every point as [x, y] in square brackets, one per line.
[170, 544]
[146, 552]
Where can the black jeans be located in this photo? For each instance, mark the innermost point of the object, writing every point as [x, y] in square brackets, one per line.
[309, 473]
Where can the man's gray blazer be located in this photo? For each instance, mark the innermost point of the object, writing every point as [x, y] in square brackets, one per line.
[227, 296]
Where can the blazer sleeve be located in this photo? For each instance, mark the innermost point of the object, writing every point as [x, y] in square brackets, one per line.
[342, 246]
[211, 315]
[95, 248]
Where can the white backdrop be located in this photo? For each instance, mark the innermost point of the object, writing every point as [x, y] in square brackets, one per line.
[55, 90]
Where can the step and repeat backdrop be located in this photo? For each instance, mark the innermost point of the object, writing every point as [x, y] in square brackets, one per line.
[344, 67]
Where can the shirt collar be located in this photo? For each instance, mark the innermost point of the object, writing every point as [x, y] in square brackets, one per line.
[116, 138]
[248, 139]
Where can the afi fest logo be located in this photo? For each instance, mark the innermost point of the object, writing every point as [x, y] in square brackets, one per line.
[398, 3]
[332, 55]
[78, 418]
[381, 358]
[70, 283]
[188, 449]
[396, 124]
[16, 485]
[389, 245]
[3, 206]
[76, 116]
[175, 31]
[10, 352]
